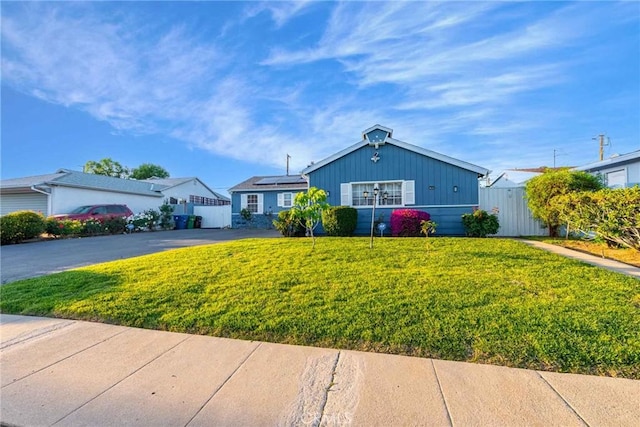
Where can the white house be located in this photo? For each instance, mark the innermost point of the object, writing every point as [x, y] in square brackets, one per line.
[618, 171]
[65, 190]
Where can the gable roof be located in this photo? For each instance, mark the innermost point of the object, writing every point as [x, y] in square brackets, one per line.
[611, 162]
[410, 147]
[167, 183]
[262, 183]
[75, 179]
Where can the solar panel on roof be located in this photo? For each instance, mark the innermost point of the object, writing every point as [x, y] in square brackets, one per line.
[277, 180]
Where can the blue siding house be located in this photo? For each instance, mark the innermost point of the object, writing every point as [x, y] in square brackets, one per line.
[407, 176]
[264, 197]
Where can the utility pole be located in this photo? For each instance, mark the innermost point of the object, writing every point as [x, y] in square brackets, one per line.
[602, 144]
[288, 157]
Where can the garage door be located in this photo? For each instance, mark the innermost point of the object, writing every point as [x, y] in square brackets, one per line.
[24, 202]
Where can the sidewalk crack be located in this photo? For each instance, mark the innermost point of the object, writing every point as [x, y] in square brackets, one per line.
[444, 398]
[563, 399]
[326, 394]
[121, 380]
[223, 384]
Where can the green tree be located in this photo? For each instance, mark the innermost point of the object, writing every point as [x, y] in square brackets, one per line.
[107, 167]
[149, 170]
[542, 189]
[307, 209]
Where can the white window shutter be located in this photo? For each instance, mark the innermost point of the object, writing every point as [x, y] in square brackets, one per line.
[280, 200]
[243, 201]
[345, 194]
[409, 192]
[260, 203]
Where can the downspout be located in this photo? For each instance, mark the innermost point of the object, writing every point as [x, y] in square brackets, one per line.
[46, 193]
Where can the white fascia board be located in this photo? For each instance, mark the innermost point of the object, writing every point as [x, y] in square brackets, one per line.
[423, 151]
[434, 155]
[610, 161]
[374, 127]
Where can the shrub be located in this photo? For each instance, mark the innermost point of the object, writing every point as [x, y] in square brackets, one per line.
[613, 215]
[480, 223]
[406, 222]
[339, 220]
[288, 225]
[18, 226]
[71, 227]
[115, 225]
[542, 189]
[92, 227]
[428, 227]
[166, 216]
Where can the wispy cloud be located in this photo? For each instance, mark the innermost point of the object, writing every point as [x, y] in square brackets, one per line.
[438, 73]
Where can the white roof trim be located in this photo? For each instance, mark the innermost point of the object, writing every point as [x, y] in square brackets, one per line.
[612, 161]
[374, 127]
[410, 147]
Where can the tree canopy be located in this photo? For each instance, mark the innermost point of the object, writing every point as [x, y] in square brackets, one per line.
[149, 170]
[108, 167]
[307, 209]
[542, 189]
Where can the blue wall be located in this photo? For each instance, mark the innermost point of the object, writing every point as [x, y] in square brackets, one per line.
[259, 220]
[444, 205]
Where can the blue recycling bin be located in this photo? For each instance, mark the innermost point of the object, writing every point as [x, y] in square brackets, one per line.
[181, 221]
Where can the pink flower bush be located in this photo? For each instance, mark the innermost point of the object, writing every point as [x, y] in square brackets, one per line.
[406, 222]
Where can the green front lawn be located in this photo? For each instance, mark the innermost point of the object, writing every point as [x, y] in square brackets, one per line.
[493, 301]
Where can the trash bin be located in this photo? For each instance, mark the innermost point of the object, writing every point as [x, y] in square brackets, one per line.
[181, 221]
[198, 222]
[191, 220]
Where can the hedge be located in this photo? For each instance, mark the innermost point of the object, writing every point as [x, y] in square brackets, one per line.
[339, 221]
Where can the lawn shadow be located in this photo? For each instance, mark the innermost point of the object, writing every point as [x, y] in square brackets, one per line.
[52, 295]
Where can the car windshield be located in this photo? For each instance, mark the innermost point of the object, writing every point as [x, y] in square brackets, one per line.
[81, 210]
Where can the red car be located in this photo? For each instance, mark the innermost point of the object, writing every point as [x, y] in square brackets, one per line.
[99, 212]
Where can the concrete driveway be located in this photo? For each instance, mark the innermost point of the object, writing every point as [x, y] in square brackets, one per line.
[40, 258]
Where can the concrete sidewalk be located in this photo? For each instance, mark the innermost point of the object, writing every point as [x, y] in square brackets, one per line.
[608, 264]
[64, 372]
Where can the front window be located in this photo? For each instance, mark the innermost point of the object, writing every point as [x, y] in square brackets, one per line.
[358, 190]
[286, 199]
[252, 203]
[389, 193]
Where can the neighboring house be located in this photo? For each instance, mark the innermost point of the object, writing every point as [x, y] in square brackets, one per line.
[513, 178]
[188, 192]
[264, 197]
[65, 190]
[618, 171]
[406, 175]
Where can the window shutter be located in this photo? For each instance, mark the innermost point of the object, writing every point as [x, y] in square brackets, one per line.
[409, 192]
[280, 200]
[345, 194]
[260, 203]
[243, 201]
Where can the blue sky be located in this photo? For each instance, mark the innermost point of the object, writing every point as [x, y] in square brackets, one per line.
[224, 90]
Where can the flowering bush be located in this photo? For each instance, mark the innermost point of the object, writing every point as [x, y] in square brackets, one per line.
[406, 222]
[481, 223]
[147, 220]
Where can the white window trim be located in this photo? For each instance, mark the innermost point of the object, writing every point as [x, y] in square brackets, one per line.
[408, 193]
[244, 202]
[281, 200]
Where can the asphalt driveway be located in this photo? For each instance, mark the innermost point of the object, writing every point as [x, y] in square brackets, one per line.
[44, 257]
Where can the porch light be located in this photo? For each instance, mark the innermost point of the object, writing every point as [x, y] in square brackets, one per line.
[455, 188]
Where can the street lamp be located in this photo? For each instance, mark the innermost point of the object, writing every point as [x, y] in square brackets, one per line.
[365, 193]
